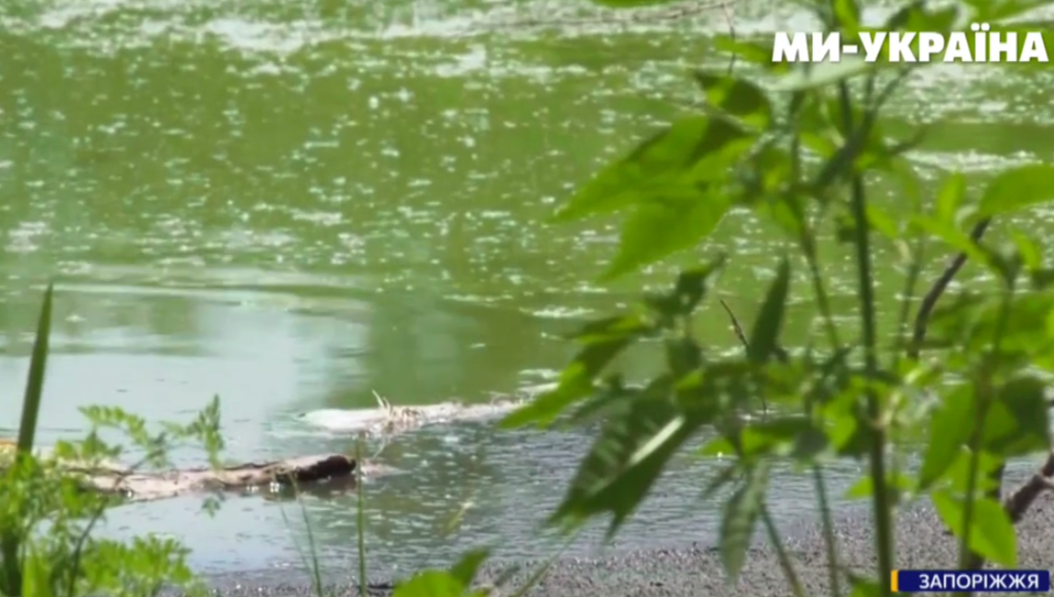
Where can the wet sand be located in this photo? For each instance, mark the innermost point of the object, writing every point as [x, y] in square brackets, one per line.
[695, 569]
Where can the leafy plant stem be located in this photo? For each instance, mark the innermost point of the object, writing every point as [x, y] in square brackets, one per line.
[808, 244]
[984, 398]
[883, 516]
[822, 300]
[914, 272]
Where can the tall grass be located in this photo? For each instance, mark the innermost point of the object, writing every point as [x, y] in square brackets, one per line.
[10, 541]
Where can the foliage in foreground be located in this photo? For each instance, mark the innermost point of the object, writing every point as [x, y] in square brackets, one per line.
[47, 547]
[804, 154]
[805, 158]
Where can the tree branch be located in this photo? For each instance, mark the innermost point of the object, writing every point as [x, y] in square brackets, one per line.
[1017, 503]
[929, 301]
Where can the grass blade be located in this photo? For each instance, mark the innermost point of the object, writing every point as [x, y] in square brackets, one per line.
[360, 516]
[10, 542]
[35, 384]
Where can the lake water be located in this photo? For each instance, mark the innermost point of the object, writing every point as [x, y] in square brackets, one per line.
[292, 205]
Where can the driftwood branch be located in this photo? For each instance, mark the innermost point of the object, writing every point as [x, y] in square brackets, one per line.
[1017, 503]
[135, 485]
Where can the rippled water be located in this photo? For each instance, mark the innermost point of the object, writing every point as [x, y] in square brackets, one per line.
[292, 205]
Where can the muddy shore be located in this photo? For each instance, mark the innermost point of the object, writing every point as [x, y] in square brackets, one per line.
[694, 569]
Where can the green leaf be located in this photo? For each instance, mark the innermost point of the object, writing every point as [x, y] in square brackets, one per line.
[1018, 423]
[727, 475]
[950, 427]
[719, 447]
[624, 461]
[1018, 188]
[950, 197]
[691, 287]
[952, 236]
[683, 355]
[896, 486]
[765, 333]
[880, 221]
[36, 581]
[10, 541]
[668, 221]
[692, 283]
[35, 382]
[847, 14]
[794, 436]
[603, 339]
[431, 583]
[736, 96]
[611, 328]
[991, 533]
[1028, 250]
[464, 571]
[668, 163]
[985, 479]
[576, 382]
[740, 517]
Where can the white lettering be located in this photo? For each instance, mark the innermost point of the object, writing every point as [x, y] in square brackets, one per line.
[900, 46]
[958, 48]
[784, 49]
[824, 46]
[1034, 48]
[910, 46]
[930, 44]
[872, 44]
[1007, 46]
[980, 37]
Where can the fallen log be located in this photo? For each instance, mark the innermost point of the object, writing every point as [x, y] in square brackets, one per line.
[388, 420]
[302, 471]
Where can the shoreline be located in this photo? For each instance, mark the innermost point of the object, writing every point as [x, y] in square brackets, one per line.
[693, 569]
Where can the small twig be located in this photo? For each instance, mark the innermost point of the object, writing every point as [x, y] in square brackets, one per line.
[746, 343]
[929, 301]
[776, 350]
[735, 324]
[726, 8]
[384, 404]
